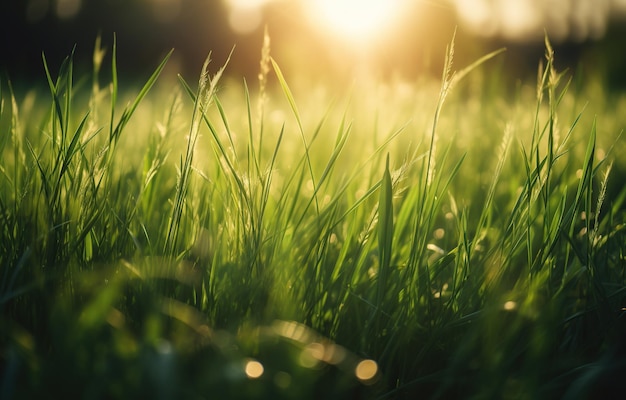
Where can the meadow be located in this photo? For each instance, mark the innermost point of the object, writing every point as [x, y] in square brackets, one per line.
[217, 238]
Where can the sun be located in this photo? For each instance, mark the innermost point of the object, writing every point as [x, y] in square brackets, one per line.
[354, 20]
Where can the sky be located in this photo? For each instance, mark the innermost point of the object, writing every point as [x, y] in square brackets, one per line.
[314, 36]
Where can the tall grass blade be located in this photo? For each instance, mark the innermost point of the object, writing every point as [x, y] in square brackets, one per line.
[130, 110]
[385, 233]
[294, 108]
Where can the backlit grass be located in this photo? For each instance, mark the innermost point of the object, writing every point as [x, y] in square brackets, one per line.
[447, 239]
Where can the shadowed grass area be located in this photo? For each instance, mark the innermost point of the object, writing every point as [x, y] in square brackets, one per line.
[395, 241]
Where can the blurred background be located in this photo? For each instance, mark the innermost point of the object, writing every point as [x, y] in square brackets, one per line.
[315, 38]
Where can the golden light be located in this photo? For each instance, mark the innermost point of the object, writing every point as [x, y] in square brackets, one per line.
[244, 16]
[254, 369]
[366, 370]
[354, 20]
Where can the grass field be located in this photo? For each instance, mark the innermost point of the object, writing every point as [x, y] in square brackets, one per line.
[462, 238]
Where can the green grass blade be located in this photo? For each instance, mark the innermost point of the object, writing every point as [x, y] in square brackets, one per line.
[294, 108]
[114, 88]
[385, 233]
[129, 111]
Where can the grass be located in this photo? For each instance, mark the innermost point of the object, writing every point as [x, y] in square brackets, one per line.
[393, 242]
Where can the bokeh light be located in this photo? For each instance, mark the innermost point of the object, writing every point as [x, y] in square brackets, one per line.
[366, 371]
[66, 9]
[254, 369]
[282, 379]
[36, 10]
[523, 20]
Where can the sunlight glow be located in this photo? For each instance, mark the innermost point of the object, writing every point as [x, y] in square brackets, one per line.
[355, 20]
[245, 16]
